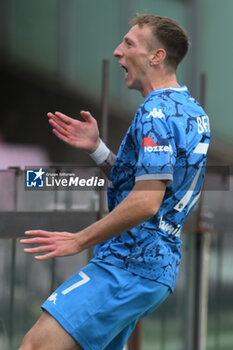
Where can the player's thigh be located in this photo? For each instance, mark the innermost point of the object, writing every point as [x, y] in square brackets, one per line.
[48, 334]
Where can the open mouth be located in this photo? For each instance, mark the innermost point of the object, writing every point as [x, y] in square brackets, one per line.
[126, 70]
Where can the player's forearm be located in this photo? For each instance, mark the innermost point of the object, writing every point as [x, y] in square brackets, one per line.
[107, 165]
[103, 157]
[133, 210]
[120, 220]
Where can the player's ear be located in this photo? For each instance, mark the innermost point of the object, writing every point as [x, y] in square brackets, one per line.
[157, 56]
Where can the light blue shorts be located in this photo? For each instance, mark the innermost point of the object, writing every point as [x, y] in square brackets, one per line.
[100, 305]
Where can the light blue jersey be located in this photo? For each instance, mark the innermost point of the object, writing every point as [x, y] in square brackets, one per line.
[133, 273]
[167, 140]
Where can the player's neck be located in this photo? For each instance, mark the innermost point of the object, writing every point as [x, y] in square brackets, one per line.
[161, 82]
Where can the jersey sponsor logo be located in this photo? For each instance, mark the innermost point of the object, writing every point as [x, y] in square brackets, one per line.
[150, 146]
[156, 113]
[169, 229]
[148, 141]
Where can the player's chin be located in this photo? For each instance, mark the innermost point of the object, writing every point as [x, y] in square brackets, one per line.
[129, 84]
[129, 81]
[132, 85]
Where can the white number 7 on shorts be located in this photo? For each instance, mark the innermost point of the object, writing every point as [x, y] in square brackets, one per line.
[84, 280]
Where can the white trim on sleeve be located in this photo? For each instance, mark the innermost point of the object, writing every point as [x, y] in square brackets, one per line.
[168, 177]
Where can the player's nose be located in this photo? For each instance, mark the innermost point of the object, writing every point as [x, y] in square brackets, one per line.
[118, 51]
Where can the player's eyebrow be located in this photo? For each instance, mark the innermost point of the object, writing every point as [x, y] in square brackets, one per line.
[128, 39]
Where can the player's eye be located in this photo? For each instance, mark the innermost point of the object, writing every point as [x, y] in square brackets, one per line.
[128, 43]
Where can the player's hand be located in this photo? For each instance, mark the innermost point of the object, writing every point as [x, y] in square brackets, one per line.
[53, 244]
[83, 135]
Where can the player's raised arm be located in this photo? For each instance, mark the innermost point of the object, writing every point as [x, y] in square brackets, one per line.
[83, 135]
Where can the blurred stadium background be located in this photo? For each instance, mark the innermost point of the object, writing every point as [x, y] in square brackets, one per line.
[51, 59]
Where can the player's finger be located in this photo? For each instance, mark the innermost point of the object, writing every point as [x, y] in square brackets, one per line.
[41, 249]
[56, 121]
[61, 129]
[63, 117]
[50, 115]
[40, 233]
[60, 136]
[86, 116]
[46, 256]
[36, 240]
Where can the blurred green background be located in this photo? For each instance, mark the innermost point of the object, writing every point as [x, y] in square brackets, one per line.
[65, 41]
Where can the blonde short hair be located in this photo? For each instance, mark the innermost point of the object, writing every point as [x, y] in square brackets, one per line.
[169, 33]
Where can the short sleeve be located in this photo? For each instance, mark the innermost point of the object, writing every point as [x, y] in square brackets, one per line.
[156, 147]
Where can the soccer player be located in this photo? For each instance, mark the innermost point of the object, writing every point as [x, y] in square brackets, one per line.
[154, 183]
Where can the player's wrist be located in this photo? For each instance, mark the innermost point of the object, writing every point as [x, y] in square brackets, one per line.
[101, 153]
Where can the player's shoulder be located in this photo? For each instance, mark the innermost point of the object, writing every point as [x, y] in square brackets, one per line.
[162, 103]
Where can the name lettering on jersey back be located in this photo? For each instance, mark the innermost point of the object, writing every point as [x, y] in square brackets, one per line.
[203, 124]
